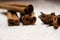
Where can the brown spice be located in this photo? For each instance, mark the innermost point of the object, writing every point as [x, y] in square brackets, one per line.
[26, 8]
[28, 19]
[13, 18]
[50, 19]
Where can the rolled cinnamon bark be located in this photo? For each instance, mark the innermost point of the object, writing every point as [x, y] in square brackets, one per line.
[28, 19]
[16, 8]
[10, 19]
[55, 22]
[58, 19]
[28, 6]
[15, 17]
[17, 4]
[16, 20]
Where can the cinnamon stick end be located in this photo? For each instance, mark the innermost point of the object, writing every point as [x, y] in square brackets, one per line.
[10, 22]
[56, 27]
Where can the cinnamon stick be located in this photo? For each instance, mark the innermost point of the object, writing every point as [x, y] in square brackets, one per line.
[28, 19]
[21, 4]
[16, 8]
[16, 20]
[13, 19]
[55, 22]
[10, 19]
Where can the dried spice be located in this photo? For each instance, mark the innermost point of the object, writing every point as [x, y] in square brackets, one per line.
[12, 18]
[19, 7]
[26, 11]
[28, 19]
[50, 19]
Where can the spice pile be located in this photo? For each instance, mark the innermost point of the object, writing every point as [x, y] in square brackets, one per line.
[50, 19]
[26, 12]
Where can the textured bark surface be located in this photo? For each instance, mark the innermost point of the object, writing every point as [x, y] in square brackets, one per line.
[13, 19]
[50, 19]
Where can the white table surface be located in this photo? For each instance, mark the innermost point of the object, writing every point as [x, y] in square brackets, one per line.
[31, 32]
